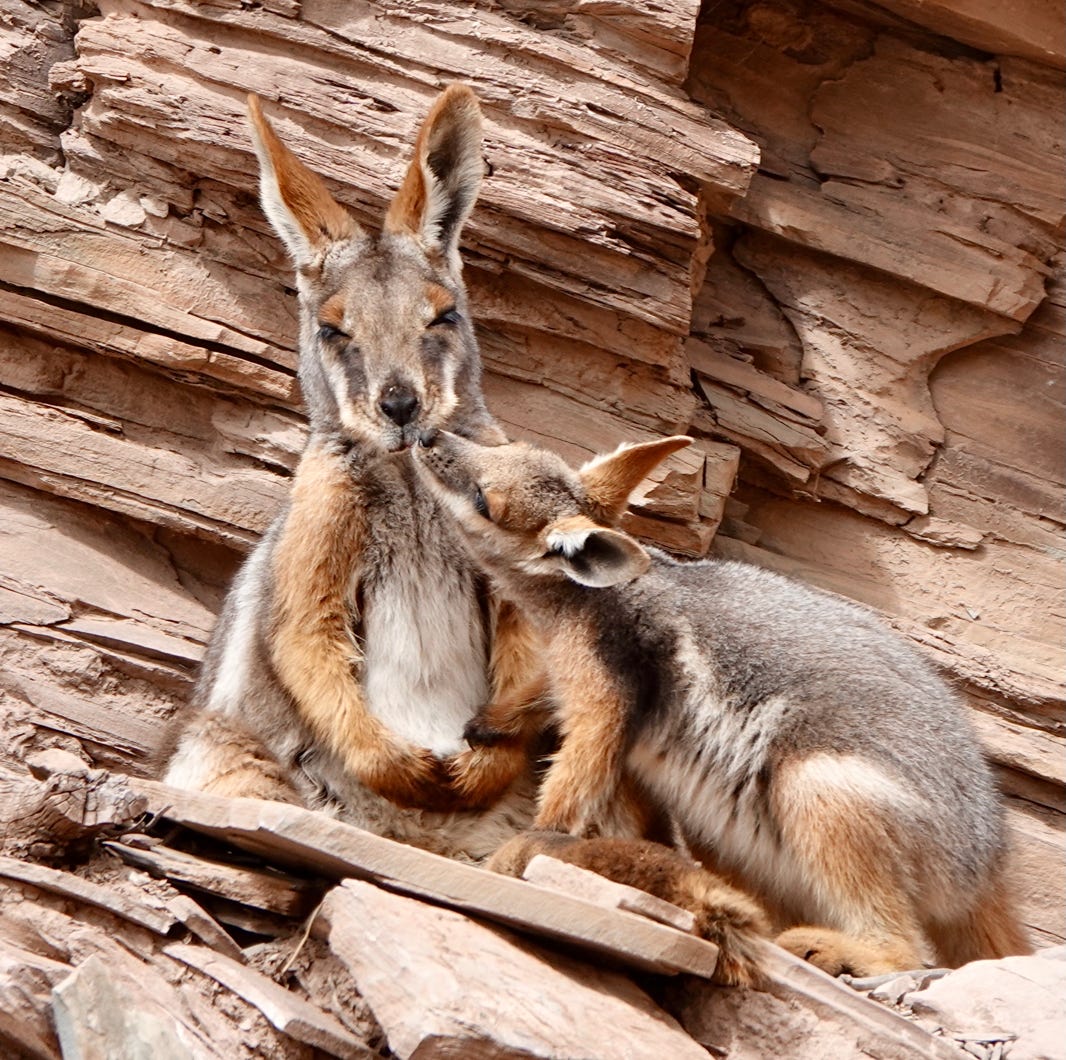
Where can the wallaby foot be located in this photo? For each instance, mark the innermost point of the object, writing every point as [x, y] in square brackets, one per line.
[480, 777]
[837, 953]
[217, 755]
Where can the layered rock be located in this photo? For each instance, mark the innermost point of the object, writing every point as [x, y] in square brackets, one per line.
[822, 237]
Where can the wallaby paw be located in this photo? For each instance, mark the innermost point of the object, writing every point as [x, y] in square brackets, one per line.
[837, 953]
[481, 776]
[411, 777]
[479, 733]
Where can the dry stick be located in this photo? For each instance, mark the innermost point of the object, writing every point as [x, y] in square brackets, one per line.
[308, 924]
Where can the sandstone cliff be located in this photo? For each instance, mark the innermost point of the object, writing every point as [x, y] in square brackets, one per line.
[826, 238]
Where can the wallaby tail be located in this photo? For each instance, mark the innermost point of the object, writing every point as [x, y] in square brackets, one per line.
[734, 922]
[989, 929]
[724, 915]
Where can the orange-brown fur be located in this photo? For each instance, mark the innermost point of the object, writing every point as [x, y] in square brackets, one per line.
[610, 481]
[989, 931]
[853, 854]
[304, 192]
[580, 792]
[405, 213]
[317, 659]
[313, 650]
[730, 919]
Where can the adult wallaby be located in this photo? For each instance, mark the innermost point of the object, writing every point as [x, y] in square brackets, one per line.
[358, 638]
[802, 746]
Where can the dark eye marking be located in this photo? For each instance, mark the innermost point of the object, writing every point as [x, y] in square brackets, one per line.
[480, 506]
[447, 317]
[328, 333]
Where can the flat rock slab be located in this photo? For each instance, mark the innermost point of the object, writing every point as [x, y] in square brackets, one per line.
[289, 835]
[803, 1014]
[69, 886]
[291, 1014]
[204, 926]
[103, 1013]
[271, 892]
[26, 981]
[443, 985]
[1018, 1000]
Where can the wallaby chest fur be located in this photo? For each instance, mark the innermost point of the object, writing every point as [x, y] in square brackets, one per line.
[425, 626]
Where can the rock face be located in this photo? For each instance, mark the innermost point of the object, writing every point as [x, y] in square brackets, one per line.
[824, 238]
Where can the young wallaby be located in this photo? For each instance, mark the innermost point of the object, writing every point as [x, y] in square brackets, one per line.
[730, 919]
[358, 639]
[801, 746]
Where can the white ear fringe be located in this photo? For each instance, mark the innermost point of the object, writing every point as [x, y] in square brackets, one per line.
[568, 542]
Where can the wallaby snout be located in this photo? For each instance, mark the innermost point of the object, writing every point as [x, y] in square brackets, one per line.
[400, 404]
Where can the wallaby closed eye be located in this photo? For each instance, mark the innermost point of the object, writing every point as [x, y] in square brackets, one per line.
[329, 333]
[449, 316]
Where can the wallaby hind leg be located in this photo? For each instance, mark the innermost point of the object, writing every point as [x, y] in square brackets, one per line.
[218, 756]
[849, 862]
[989, 929]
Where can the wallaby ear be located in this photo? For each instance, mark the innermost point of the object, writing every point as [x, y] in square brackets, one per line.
[593, 555]
[609, 480]
[444, 177]
[295, 200]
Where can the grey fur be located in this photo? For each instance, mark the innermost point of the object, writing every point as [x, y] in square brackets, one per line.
[731, 679]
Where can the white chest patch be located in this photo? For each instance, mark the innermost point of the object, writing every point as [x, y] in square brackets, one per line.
[425, 662]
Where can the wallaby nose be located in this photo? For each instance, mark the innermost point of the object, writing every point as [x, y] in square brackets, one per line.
[400, 404]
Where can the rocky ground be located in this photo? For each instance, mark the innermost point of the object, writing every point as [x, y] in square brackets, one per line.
[137, 918]
[825, 237]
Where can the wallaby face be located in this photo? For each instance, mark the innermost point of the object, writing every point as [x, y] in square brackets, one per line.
[386, 346]
[523, 508]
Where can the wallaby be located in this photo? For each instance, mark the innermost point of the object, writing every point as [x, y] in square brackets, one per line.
[801, 746]
[358, 638]
[730, 919]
